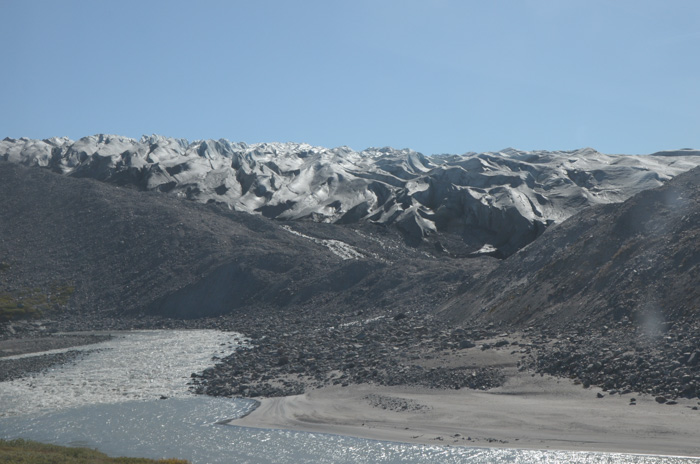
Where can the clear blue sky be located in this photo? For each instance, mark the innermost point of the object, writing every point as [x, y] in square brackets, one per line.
[437, 76]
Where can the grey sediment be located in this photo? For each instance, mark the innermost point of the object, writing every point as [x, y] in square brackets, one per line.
[251, 409]
[289, 354]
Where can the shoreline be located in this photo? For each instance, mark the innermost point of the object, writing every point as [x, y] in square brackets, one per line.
[527, 412]
[50, 343]
[22, 357]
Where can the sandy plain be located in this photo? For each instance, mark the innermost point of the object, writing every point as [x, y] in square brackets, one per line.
[529, 411]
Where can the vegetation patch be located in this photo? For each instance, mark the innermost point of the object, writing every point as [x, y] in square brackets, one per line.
[30, 452]
[33, 303]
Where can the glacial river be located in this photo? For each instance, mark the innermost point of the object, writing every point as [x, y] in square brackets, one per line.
[110, 400]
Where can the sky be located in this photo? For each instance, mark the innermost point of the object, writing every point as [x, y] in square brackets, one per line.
[436, 76]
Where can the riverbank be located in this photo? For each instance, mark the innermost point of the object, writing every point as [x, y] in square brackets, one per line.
[20, 357]
[528, 412]
[38, 344]
[409, 378]
[31, 452]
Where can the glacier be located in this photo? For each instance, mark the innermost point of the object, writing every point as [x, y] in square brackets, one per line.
[496, 202]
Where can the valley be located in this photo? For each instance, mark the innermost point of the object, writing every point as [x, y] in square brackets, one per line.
[459, 278]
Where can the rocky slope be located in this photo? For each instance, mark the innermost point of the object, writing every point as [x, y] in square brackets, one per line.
[495, 203]
[638, 261]
[76, 246]
[611, 295]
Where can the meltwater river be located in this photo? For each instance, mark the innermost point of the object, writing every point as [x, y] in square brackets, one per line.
[109, 400]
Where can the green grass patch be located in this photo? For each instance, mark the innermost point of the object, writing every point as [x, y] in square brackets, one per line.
[14, 307]
[30, 452]
[33, 303]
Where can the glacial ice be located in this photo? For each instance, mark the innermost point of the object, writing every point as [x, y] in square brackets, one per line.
[500, 199]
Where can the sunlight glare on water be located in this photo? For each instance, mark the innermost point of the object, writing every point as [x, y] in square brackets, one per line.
[190, 428]
[109, 401]
[137, 365]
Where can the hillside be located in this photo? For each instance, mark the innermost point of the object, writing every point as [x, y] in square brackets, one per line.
[608, 298]
[78, 246]
[636, 261]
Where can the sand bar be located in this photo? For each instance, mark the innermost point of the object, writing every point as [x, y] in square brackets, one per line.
[529, 412]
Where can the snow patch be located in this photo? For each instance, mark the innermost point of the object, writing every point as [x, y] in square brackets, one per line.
[338, 248]
[485, 250]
